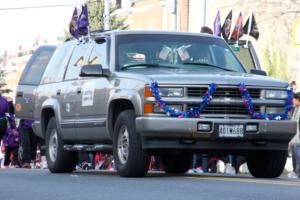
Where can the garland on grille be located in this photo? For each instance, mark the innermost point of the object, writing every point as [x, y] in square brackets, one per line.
[256, 115]
[173, 112]
[206, 99]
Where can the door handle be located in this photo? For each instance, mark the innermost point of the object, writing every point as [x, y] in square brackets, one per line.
[19, 94]
[58, 92]
[78, 90]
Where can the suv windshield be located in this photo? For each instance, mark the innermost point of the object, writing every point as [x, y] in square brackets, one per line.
[175, 52]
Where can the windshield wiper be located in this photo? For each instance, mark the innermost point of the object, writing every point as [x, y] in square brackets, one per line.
[150, 65]
[207, 64]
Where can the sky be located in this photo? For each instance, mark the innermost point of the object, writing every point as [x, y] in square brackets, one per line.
[22, 27]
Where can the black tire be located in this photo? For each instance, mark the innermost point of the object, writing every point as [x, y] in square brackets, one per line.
[64, 161]
[266, 164]
[136, 162]
[177, 164]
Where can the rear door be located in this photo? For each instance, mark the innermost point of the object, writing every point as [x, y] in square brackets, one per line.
[30, 79]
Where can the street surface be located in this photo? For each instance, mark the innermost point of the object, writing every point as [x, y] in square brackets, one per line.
[37, 184]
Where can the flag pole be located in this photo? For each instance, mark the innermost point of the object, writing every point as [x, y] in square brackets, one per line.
[89, 32]
[238, 34]
[106, 15]
[249, 27]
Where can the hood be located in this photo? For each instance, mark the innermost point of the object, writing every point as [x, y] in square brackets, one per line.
[188, 77]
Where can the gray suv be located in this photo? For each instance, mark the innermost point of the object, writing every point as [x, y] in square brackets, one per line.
[142, 93]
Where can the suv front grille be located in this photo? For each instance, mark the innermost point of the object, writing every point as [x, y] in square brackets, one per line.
[224, 109]
[222, 92]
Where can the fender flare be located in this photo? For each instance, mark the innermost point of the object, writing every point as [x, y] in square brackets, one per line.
[53, 104]
[128, 95]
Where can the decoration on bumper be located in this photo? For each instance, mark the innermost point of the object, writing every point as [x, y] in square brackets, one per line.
[173, 112]
[206, 99]
[256, 115]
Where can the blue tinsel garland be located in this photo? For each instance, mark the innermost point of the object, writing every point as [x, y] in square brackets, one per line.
[256, 115]
[172, 112]
[195, 112]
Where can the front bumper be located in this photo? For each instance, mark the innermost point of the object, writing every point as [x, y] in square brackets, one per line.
[181, 133]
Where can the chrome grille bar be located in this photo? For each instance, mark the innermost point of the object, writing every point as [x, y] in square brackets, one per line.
[222, 92]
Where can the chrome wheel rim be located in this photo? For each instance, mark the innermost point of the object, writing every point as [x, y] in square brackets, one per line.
[53, 144]
[123, 145]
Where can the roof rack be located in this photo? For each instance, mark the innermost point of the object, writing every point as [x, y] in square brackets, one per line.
[94, 32]
[68, 39]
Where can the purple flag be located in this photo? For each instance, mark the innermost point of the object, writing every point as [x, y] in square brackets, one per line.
[83, 21]
[217, 25]
[73, 27]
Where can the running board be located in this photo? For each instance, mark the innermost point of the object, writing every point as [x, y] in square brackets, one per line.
[106, 148]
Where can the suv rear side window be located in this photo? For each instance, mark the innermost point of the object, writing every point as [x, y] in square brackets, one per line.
[36, 66]
[57, 64]
[245, 57]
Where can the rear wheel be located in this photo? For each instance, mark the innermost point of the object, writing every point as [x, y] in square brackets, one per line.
[266, 164]
[58, 159]
[130, 158]
[177, 164]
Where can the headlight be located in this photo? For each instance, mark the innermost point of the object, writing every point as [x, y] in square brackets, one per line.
[276, 94]
[157, 109]
[171, 92]
[274, 110]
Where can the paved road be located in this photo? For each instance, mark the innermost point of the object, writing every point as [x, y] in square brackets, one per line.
[25, 184]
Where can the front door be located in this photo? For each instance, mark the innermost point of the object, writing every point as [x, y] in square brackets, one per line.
[92, 107]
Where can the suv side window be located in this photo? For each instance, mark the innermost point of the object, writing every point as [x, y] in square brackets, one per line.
[77, 60]
[36, 66]
[245, 57]
[57, 64]
[99, 55]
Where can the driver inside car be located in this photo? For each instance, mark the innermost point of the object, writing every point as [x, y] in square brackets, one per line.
[200, 55]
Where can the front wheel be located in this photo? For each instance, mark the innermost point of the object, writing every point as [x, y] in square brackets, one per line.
[130, 158]
[266, 164]
[58, 159]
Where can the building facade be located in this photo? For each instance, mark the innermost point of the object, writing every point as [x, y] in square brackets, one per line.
[169, 15]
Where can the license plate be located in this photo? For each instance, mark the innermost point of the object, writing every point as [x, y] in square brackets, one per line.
[231, 131]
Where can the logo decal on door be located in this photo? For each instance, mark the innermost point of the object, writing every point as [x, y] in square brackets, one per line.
[88, 91]
[68, 107]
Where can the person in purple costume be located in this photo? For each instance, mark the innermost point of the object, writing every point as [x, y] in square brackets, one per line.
[28, 142]
[11, 142]
[4, 109]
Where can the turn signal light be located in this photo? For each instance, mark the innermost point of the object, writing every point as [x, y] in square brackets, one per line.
[148, 108]
[147, 92]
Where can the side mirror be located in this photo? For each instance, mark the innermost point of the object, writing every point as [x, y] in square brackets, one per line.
[93, 71]
[258, 72]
